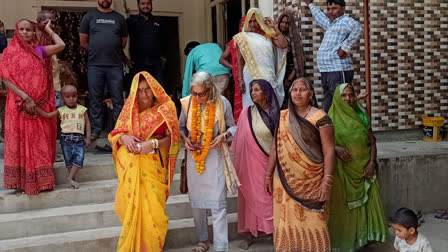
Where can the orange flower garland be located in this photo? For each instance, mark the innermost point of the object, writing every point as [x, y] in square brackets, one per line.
[196, 127]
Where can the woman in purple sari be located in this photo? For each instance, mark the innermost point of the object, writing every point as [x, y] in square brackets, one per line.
[253, 139]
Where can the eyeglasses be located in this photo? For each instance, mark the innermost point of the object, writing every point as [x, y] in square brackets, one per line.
[202, 94]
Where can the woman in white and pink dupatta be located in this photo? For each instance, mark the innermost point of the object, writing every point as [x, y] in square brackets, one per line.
[251, 146]
[261, 52]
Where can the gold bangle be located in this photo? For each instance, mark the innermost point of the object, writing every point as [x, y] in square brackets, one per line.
[154, 143]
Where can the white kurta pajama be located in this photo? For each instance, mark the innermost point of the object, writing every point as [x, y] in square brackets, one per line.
[208, 190]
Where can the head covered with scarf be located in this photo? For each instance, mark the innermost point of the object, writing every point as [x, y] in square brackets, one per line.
[164, 110]
[351, 131]
[295, 42]
[313, 101]
[306, 137]
[304, 133]
[339, 105]
[269, 32]
[271, 119]
[24, 67]
[240, 27]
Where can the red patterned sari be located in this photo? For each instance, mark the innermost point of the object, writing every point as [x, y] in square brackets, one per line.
[238, 97]
[30, 140]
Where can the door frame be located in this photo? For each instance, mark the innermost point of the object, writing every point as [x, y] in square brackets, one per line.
[221, 19]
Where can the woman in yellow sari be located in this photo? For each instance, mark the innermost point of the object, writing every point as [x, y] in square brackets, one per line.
[303, 153]
[145, 144]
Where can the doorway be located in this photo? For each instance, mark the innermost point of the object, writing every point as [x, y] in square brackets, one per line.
[225, 16]
[67, 24]
[172, 79]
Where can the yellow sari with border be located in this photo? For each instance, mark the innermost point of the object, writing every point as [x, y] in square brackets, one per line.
[144, 180]
[296, 227]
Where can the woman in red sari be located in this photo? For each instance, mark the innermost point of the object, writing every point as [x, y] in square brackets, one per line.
[30, 140]
[230, 54]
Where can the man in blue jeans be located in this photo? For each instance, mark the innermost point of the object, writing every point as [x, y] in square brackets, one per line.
[333, 56]
[103, 33]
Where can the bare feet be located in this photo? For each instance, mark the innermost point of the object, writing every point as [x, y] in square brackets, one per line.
[20, 191]
[73, 184]
[248, 240]
[58, 158]
[201, 247]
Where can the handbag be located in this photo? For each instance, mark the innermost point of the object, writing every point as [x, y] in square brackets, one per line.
[183, 168]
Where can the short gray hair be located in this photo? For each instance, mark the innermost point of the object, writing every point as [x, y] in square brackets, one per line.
[205, 79]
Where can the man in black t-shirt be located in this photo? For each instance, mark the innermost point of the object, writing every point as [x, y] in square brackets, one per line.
[146, 41]
[103, 33]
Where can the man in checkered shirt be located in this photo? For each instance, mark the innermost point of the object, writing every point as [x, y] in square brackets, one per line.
[333, 56]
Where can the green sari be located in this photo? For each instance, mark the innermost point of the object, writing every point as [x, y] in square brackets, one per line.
[356, 210]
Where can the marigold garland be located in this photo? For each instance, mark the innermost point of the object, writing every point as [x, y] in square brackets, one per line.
[196, 127]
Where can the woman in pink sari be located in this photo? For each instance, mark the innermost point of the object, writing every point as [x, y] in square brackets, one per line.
[251, 146]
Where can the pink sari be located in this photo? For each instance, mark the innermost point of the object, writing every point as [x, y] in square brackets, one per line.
[255, 206]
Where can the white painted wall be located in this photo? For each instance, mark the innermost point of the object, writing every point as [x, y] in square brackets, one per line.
[194, 15]
[266, 7]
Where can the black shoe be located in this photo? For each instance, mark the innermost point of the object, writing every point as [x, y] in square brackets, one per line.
[106, 148]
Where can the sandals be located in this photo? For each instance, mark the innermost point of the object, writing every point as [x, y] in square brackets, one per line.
[441, 216]
[201, 247]
[245, 244]
[442, 211]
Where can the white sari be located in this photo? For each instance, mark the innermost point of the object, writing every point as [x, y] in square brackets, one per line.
[263, 60]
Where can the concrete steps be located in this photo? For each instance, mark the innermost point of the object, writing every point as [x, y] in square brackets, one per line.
[57, 220]
[101, 239]
[262, 245]
[180, 233]
[84, 219]
[93, 192]
[102, 168]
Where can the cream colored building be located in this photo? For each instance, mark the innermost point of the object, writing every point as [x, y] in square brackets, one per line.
[197, 20]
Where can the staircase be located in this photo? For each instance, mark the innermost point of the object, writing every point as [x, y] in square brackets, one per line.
[83, 220]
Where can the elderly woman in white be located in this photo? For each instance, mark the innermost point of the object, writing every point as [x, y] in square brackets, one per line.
[206, 122]
[261, 51]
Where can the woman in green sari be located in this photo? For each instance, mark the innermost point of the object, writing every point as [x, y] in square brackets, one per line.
[356, 211]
